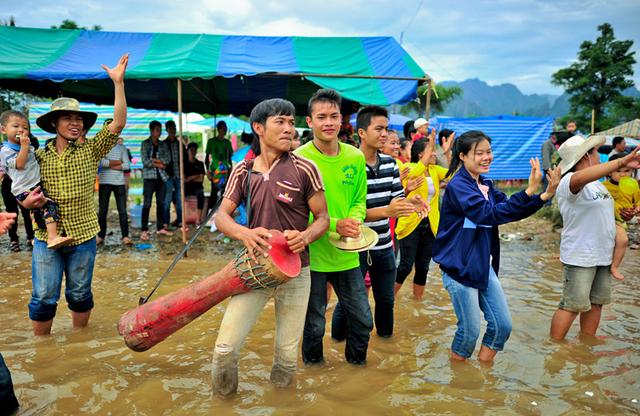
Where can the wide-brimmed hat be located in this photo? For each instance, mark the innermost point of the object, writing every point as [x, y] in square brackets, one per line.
[419, 123]
[574, 148]
[368, 238]
[65, 104]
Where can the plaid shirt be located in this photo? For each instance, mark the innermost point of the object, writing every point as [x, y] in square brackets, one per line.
[174, 152]
[146, 152]
[69, 179]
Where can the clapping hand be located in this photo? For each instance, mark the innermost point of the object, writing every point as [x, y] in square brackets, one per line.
[535, 176]
[414, 183]
[553, 179]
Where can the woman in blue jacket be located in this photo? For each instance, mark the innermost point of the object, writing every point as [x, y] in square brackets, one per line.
[467, 246]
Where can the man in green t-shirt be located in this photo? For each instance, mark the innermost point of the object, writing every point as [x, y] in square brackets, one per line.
[345, 179]
[217, 161]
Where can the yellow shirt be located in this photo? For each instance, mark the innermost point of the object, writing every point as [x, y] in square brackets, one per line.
[69, 180]
[622, 200]
[406, 225]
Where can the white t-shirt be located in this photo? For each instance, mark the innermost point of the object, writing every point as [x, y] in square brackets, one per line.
[589, 232]
[430, 186]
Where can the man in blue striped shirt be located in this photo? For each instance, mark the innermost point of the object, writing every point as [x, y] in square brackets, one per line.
[385, 199]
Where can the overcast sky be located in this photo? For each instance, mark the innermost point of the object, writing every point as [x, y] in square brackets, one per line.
[521, 42]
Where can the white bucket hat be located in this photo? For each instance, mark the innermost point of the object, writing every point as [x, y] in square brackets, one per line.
[574, 148]
[419, 123]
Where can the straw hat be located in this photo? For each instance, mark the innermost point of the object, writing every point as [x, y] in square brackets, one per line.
[574, 148]
[368, 238]
[64, 104]
[419, 123]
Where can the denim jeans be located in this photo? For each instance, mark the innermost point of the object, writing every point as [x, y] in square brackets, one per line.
[242, 312]
[172, 194]
[468, 303]
[104, 194]
[8, 401]
[416, 249]
[48, 266]
[382, 273]
[349, 287]
[149, 187]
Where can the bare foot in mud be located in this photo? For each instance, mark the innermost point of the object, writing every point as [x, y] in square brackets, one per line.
[616, 273]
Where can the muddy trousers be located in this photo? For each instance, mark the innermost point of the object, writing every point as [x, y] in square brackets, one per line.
[241, 315]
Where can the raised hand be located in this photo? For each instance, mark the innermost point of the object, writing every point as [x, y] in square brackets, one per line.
[553, 179]
[447, 142]
[535, 177]
[117, 72]
[632, 160]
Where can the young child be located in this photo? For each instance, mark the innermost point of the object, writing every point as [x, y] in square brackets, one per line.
[622, 201]
[19, 160]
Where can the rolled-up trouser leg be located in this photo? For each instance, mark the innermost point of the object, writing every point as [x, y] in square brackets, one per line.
[240, 316]
[291, 301]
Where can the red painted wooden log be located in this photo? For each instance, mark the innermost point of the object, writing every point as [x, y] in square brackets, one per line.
[152, 322]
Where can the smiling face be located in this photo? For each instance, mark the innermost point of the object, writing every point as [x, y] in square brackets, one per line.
[325, 121]
[69, 125]
[392, 146]
[14, 128]
[478, 159]
[276, 134]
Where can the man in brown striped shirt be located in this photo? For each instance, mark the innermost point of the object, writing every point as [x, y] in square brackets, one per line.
[283, 189]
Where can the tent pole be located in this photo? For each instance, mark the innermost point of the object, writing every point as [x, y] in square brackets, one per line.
[181, 164]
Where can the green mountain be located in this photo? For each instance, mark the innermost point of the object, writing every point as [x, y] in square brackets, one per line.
[480, 99]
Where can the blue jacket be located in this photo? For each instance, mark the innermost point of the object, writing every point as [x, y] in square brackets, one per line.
[468, 231]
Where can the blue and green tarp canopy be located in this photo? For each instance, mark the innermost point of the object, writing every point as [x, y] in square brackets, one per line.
[233, 123]
[221, 74]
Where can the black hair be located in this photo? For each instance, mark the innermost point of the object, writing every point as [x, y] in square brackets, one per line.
[407, 129]
[464, 144]
[417, 148]
[154, 124]
[4, 117]
[270, 108]
[444, 133]
[169, 123]
[404, 142]
[617, 140]
[246, 138]
[366, 114]
[192, 145]
[324, 95]
[221, 123]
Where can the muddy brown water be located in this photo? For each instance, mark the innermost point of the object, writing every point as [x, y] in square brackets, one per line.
[91, 371]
